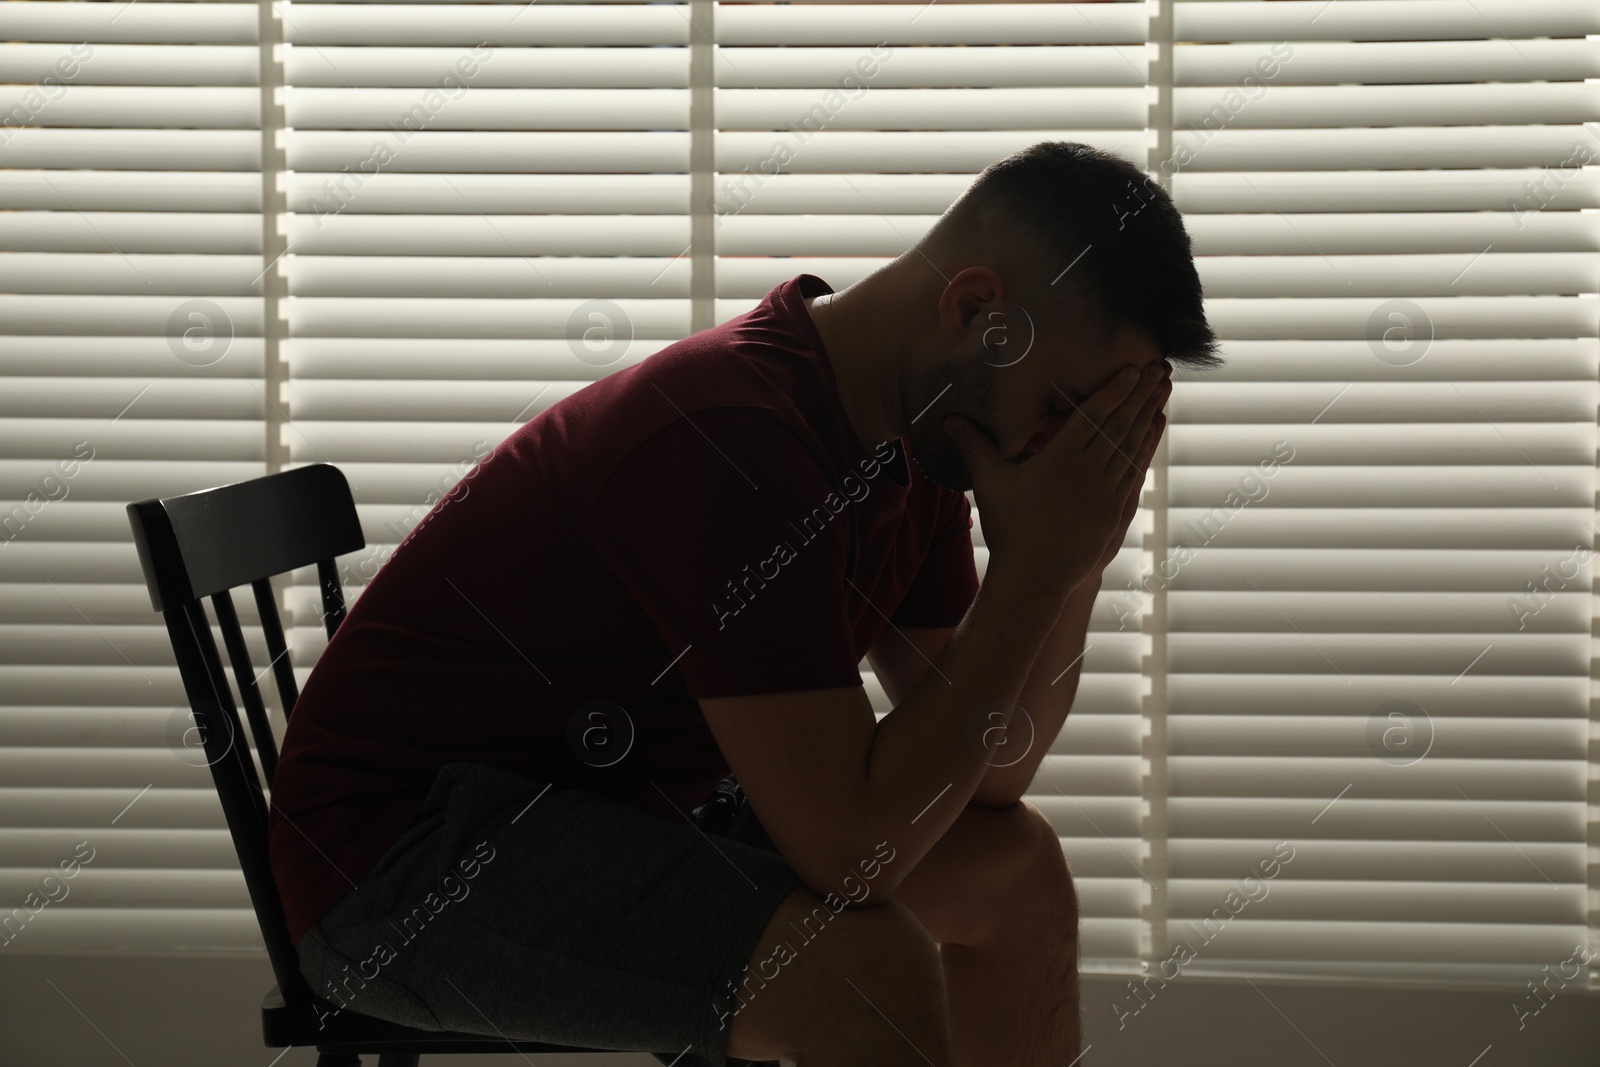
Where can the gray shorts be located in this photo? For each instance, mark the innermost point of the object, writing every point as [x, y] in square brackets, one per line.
[554, 914]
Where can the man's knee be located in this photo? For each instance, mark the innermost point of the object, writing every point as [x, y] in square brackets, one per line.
[1047, 841]
[1021, 840]
[1050, 861]
[1037, 879]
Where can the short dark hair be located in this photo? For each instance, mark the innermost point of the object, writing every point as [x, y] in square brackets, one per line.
[1100, 233]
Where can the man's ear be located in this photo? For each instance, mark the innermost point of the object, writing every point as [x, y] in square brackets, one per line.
[966, 298]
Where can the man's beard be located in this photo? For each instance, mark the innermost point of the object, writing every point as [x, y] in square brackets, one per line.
[970, 393]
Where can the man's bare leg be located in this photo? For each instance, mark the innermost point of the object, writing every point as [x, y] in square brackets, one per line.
[998, 896]
[868, 991]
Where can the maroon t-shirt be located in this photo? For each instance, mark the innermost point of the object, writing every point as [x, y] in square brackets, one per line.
[704, 523]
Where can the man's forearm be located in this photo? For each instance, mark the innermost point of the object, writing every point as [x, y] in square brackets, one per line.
[1046, 698]
[930, 753]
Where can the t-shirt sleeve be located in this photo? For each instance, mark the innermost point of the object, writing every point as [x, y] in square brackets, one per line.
[947, 581]
[725, 529]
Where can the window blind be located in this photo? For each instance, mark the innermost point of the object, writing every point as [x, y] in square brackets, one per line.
[131, 333]
[1377, 594]
[474, 209]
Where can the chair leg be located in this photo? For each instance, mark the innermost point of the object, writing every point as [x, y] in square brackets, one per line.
[399, 1059]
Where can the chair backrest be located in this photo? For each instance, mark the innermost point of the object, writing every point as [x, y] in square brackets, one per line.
[204, 544]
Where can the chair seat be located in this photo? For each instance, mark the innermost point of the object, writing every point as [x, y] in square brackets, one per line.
[284, 1025]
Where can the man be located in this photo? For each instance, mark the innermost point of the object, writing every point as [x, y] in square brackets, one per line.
[505, 805]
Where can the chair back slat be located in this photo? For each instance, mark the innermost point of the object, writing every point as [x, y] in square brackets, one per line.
[272, 631]
[205, 544]
[244, 676]
[332, 596]
[241, 804]
[234, 744]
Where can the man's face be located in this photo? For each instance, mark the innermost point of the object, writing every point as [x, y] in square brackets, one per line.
[1017, 394]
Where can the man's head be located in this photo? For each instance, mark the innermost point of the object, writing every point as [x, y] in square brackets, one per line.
[1058, 266]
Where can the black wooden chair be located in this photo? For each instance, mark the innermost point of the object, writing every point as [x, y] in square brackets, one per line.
[205, 544]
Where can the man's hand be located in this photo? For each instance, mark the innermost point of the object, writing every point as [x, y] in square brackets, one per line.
[1141, 460]
[1049, 519]
[1131, 505]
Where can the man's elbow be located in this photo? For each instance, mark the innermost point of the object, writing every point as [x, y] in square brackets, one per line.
[864, 880]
